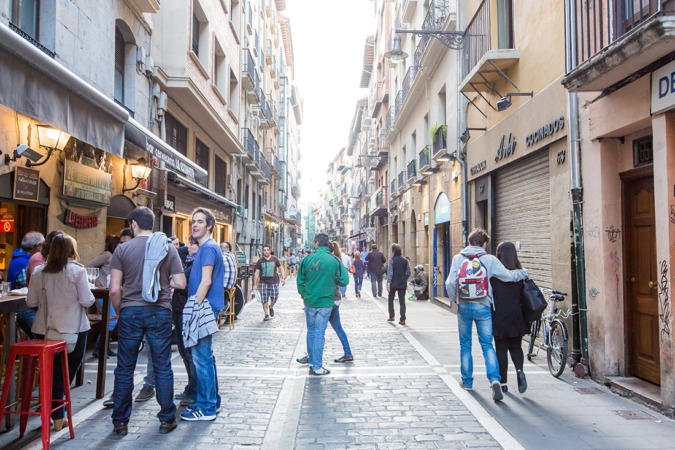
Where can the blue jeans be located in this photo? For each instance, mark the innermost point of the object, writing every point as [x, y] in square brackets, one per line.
[135, 323]
[337, 326]
[317, 321]
[186, 355]
[204, 363]
[358, 283]
[25, 319]
[469, 312]
[376, 284]
[149, 379]
[343, 290]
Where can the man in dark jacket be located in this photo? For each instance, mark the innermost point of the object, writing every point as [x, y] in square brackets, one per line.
[375, 260]
[398, 271]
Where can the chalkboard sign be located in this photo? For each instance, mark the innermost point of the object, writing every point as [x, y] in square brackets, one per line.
[241, 257]
[26, 184]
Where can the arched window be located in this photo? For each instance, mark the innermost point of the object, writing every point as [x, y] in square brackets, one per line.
[119, 66]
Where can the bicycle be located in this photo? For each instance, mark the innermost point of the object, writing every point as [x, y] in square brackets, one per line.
[554, 336]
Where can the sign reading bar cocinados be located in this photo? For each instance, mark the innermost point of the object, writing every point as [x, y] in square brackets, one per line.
[86, 183]
[547, 130]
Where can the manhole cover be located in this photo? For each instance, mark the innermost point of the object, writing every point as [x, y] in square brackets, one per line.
[634, 414]
[588, 391]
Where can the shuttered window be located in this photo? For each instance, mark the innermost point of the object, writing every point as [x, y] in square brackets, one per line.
[195, 34]
[176, 134]
[202, 157]
[220, 176]
[119, 66]
[523, 214]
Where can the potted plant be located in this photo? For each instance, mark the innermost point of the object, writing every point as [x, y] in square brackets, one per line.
[437, 135]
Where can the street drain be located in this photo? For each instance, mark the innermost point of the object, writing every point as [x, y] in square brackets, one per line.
[634, 414]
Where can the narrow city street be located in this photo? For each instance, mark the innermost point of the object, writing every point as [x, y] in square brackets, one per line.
[402, 391]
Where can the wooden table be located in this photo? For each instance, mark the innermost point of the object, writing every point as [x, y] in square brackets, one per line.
[10, 305]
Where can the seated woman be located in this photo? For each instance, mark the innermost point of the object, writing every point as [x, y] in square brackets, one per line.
[60, 291]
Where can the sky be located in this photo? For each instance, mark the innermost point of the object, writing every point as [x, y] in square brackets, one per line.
[328, 44]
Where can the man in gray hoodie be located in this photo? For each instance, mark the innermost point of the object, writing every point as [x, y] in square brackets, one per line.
[478, 306]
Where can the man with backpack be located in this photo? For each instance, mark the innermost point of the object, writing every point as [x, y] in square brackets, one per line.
[468, 284]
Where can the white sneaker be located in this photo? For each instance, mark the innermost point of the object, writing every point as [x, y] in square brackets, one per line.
[497, 394]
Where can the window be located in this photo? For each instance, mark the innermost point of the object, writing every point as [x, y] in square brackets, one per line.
[505, 23]
[202, 156]
[26, 16]
[233, 103]
[195, 34]
[119, 66]
[220, 176]
[219, 70]
[176, 134]
[199, 40]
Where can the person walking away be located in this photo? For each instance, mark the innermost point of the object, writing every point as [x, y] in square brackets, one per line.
[138, 276]
[508, 323]
[292, 265]
[376, 260]
[359, 269]
[346, 261]
[468, 284]
[205, 287]
[17, 274]
[398, 271]
[60, 291]
[421, 283]
[319, 275]
[266, 281]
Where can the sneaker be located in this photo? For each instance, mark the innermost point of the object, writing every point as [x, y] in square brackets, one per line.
[497, 394]
[193, 406]
[108, 403]
[505, 388]
[465, 387]
[344, 359]
[321, 371]
[303, 360]
[522, 381]
[195, 415]
[271, 312]
[146, 394]
[167, 427]
[266, 318]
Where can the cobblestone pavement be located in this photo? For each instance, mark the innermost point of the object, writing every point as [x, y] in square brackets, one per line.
[390, 397]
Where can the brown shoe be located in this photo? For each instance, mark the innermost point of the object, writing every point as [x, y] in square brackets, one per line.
[391, 319]
[167, 427]
[401, 322]
[121, 430]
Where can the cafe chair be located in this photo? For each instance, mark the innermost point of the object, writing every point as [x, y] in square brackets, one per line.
[33, 352]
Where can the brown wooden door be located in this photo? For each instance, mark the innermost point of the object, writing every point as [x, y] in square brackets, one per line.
[641, 295]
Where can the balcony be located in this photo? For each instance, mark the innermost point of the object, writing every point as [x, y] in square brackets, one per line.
[382, 143]
[440, 144]
[249, 19]
[408, 11]
[273, 67]
[269, 53]
[425, 158]
[250, 145]
[147, 6]
[376, 98]
[400, 182]
[484, 65]
[378, 202]
[412, 170]
[392, 187]
[617, 40]
[264, 112]
[250, 79]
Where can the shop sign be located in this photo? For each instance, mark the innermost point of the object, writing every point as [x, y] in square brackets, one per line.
[241, 257]
[86, 183]
[26, 184]
[663, 88]
[478, 167]
[170, 203]
[79, 220]
[6, 225]
[442, 209]
[547, 130]
[506, 148]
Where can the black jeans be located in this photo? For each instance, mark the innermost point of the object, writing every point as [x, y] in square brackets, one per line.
[75, 359]
[512, 345]
[401, 302]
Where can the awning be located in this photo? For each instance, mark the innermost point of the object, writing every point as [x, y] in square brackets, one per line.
[140, 136]
[37, 86]
[196, 187]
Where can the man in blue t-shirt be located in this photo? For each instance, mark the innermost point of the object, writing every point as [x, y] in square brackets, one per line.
[206, 282]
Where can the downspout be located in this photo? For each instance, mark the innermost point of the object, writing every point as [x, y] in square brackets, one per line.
[579, 316]
[461, 155]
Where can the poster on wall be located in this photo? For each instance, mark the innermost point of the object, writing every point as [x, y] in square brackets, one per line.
[86, 183]
[26, 184]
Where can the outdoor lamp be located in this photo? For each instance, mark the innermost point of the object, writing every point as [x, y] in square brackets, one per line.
[430, 170]
[447, 156]
[48, 137]
[140, 170]
[396, 54]
[505, 102]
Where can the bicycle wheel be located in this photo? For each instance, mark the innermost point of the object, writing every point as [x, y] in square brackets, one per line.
[533, 336]
[556, 353]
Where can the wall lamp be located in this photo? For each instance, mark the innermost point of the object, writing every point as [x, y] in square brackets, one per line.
[447, 156]
[451, 39]
[505, 102]
[419, 182]
[430, 171]
[140, 170]
[48, 137]
[466, 135]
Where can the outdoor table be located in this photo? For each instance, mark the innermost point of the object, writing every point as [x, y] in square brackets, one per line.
[10, 305]
[104, 294]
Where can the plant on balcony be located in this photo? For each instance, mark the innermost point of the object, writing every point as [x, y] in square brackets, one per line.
[433, 132]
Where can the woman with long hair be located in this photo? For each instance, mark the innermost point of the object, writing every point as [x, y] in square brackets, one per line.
[508, 323]
[359, 270]
[346, 261]
[60, 290]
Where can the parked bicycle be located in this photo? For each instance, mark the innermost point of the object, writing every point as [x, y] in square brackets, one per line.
[554, 336]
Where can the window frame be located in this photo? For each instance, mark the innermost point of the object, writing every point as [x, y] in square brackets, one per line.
[181, 138]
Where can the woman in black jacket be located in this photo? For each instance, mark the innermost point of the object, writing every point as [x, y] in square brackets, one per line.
[508, 323]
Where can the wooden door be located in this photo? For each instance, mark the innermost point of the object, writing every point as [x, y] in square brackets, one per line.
[641, 294]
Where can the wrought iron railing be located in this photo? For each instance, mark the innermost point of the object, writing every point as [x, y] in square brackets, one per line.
[398, 102]
[392, 186]
[407, 84]
[250, 144]
[401, 179]
[424, 156]
[249, 69]
[412, 169]
[476, 38]
[382, 144]
[264, 166]
[32, 40]
[440, 143]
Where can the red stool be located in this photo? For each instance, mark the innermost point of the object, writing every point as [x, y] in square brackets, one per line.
[32, 351]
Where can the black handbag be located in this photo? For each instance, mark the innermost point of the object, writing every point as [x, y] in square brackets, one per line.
[532, 301]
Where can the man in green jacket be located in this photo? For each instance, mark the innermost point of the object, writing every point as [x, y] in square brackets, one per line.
[320, 273]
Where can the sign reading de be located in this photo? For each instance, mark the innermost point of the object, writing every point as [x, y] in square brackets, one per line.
[86, 183]
[663, 88]
[26, 184]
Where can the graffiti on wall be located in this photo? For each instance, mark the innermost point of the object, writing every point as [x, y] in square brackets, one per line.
[613, 233]
[672, 213]
[664, 301]
[593, 293]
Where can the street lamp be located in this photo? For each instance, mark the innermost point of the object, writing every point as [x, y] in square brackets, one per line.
[505, 102]
[140, 171]
[451, 39]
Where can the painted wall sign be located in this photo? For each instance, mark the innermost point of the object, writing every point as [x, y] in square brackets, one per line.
[79, 220]
[506, 148]
[86, 183]
[547, 130]
[26, 184]
[663, 88]
[478, 167]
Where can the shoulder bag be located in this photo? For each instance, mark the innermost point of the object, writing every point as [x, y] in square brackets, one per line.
[532, 301]
[56, 335]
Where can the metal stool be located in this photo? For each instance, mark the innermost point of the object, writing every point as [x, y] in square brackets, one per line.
[32, 351]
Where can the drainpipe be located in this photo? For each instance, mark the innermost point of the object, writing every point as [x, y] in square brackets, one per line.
[461, 121]
[579, 317]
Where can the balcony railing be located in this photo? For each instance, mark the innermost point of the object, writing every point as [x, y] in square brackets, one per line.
[424, 157]
[264, 167]
[250, 144]
[440, 143]
[398, 103]
[401, 179]
[392, 186]
[476, 38]
[412, 169]
[406, 85]
[598, 23]
[32, 40]
[249, 71]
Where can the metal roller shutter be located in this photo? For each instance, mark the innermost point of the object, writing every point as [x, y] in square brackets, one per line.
[523, 213]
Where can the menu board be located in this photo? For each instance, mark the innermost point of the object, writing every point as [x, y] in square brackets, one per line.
[241, 257]
[26, 184]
